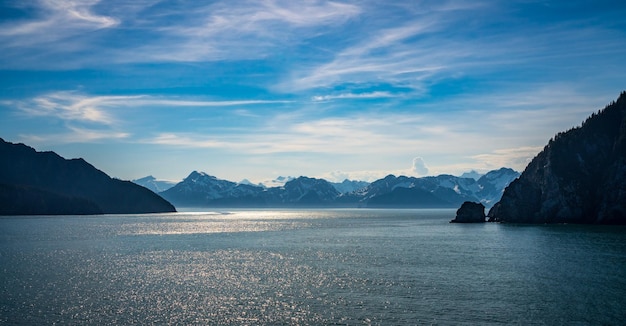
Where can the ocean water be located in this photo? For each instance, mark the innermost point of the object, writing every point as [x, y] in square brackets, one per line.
[307, 267]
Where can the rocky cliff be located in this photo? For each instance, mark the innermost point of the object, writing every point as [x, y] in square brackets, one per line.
[470, 212]
[34, 182]
[579, 177]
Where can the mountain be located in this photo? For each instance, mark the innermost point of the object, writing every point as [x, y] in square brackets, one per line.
[471, 174]
[442, 191]
[349, 185]
[493, 183]
[445, 191]
[402, 197]
[302, 191]
[579, 176]
[200, 189]
[278, 182]
[34, 182]
[153, 184]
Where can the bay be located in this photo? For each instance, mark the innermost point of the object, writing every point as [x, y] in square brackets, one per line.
[307, 267]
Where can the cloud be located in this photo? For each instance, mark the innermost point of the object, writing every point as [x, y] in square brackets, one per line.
[370, 95]
[425, 47]
[183, 140]
[389, 54]
[146, 100]
[56, 19]
[247, 29]
[76, 106]
[75, 135]
[419, 167]
[515, 158]
[73, 106]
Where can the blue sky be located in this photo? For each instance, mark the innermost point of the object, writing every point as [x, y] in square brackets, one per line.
[332, 89]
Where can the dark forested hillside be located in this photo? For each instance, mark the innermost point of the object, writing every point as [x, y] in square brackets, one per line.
[45, 183]
[579, 177]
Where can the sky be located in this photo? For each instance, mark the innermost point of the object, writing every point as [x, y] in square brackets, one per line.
[328, 89]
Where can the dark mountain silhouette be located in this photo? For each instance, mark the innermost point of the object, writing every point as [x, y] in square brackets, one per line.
[24, 200]
[579, 177]
[45, 183]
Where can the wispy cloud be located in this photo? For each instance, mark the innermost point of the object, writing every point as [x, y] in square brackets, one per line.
[437, 44]
[76, 106]
[247, 29]
[516, 158]
[74, 135]
[73, 106]
[369, 95]
[184, 140]
[56, 19]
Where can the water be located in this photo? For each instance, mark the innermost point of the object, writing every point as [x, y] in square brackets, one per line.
[317, 267]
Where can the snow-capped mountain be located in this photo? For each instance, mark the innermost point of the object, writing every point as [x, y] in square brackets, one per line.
[472, 174]
[278, 182]
[349, 185]
[308, 191]
[201, 189]
[153, 184]
[441, 191]
[493, 184]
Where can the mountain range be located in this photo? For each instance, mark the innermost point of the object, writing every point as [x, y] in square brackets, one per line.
[38, 183]
[444, 191]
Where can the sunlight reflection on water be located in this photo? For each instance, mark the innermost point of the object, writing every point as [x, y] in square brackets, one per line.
[311, 267]
[219, 222]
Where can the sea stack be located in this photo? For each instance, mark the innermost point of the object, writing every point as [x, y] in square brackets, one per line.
[470, 212]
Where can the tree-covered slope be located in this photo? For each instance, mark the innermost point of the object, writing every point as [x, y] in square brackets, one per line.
[579, 177]
[46, 183]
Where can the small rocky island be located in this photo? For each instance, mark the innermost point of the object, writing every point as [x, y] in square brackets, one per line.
[579, 177]
[470, 212]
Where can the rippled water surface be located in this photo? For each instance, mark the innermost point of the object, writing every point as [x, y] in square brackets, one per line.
[351, 267]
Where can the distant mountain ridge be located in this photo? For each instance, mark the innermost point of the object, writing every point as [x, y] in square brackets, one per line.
[153, 184]
[438, 191]
[445, 191]
[579, 177]
[34, 182]
[347, 186]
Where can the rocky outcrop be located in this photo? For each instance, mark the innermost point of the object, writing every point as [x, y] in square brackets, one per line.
[470, 212]
[579, 177]
[34, 182]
